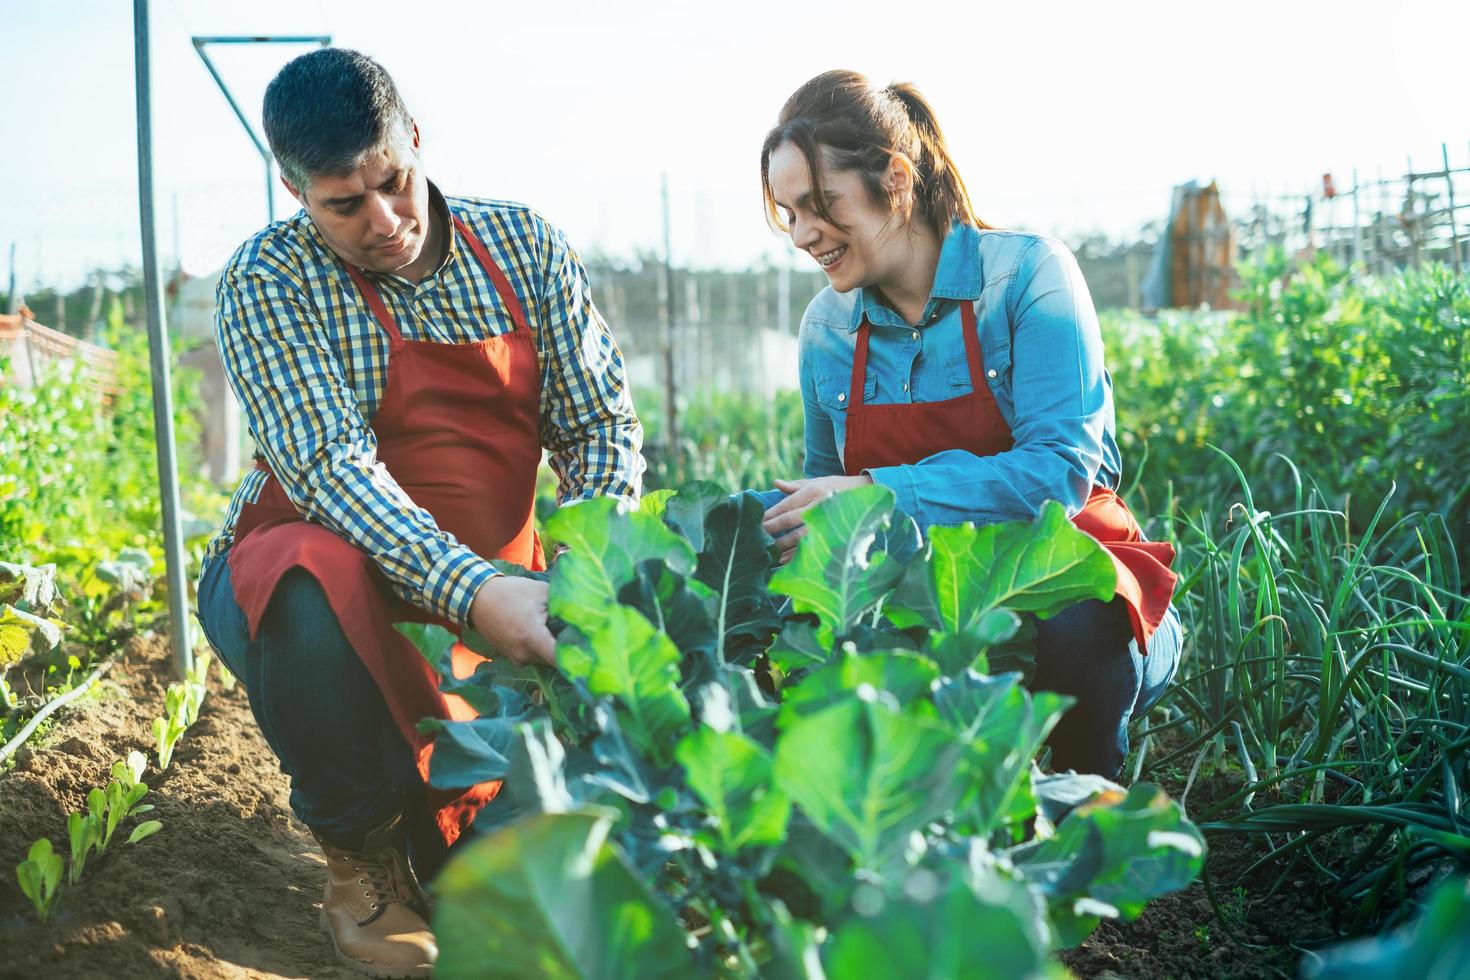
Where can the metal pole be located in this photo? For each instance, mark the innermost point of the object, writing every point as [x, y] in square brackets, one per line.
[1356, 239]
[671, 413]
[265, 154]
[270, 193]
[1449, 180]
[12, 300]
[158, 357]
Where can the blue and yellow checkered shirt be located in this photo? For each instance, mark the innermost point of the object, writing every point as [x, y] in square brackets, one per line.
[309, 364]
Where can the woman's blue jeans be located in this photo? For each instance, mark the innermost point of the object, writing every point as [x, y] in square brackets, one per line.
[1088, 651]
[320, 711]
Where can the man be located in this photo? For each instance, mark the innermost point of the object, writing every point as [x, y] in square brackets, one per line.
[402, 359]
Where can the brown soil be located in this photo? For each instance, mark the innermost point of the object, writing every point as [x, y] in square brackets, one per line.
[228, 888]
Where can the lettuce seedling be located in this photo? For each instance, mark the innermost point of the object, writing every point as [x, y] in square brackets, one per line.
[39, 876]
[168, 729]
[85, 834]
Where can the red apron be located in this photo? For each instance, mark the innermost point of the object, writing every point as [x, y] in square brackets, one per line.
[459, 429]
[902, 434]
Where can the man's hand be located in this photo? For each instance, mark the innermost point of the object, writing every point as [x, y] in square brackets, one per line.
[789, 514]
[510, 613]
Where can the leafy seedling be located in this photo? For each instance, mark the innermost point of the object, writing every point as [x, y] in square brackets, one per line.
[39, 876]
[83, 830]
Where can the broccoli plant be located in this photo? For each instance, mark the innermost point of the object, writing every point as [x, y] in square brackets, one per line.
[740, 769]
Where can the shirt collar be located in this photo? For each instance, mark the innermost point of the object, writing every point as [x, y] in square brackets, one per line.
[957, 277]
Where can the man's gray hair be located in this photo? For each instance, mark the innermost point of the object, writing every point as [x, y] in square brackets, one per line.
[327, 109]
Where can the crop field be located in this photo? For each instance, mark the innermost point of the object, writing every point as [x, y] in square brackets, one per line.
[832, 767]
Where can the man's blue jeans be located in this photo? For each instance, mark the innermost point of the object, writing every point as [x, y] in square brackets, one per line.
[320, 711]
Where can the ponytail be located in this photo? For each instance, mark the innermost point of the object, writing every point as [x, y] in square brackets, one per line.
[860, 128]
[939, 187]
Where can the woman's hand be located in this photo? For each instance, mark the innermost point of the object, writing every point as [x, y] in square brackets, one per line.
[786, 521]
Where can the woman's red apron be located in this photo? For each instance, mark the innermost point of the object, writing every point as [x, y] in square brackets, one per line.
[458, 428]
[904, 433]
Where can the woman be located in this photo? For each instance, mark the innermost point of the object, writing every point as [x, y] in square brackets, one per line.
[962, 368]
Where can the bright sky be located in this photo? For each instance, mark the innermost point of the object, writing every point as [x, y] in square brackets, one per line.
[1064, 117]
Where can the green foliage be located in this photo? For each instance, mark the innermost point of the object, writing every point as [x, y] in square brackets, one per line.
[550, 897]
[854, 803]
[39, 876]
[730, 439]
[1435, 947]
[181, 703]
[1352, 380]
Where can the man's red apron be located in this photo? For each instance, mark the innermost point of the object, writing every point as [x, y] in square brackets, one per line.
[458, 428]
[904, 433]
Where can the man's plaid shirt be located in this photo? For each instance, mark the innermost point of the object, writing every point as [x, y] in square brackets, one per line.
[309, 362]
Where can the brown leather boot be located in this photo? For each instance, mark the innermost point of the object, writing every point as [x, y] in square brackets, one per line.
[374, 909]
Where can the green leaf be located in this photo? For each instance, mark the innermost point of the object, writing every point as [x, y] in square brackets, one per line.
[83, 831]
[1039, 567]
[795, 951]
[39, 877]
[536, 781]
[655, 502]
[145, 829]
[1111, 856]
[606, 547]
[1003, 726]
[734, 563]
[732, 775]
[469, 752]
[434, 643]
[868, 776]
[687, 510]
[836, 572]
[955, 933]
[899, 678]
[798, 646]
[631, 661]
[550, 898]
[21, 632]
[673, 607]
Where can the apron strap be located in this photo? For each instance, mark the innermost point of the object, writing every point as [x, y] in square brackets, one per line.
[859, 367]
[375, 303]
[972, 345]
[497, 278]
[972, 355]
[502, 285]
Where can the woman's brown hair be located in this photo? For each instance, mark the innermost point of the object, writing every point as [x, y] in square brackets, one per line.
[861, 127]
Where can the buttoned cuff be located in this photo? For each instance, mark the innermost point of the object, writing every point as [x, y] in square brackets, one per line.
[454, 581]
[899, 479]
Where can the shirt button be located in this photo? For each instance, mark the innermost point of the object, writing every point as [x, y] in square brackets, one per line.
[842, 398]
[990, 373]
[905, 387]
[916, 335]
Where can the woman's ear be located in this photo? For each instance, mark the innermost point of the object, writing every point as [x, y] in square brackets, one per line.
[898, 180]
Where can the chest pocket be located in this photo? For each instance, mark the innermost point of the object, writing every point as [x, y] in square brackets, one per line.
[833, 391]
[998, 367]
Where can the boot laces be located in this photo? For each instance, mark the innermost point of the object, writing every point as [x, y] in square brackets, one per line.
[379, 881]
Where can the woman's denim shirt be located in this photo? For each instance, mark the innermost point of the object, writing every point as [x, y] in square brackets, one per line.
[1043, 361]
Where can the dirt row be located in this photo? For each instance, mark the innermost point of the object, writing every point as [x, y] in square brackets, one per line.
[229, 888]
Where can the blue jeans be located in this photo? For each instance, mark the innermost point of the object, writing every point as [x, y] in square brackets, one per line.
[1088, 651]
[321, 713]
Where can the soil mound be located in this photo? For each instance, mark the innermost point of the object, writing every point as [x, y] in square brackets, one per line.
[228, 888]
